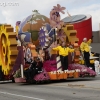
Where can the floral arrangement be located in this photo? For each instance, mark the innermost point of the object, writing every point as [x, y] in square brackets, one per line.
[84, 71]
[55, 20]
[17, 74]
[50, 65]
[42, 76]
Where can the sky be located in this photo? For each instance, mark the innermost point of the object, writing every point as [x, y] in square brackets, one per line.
[16, 10]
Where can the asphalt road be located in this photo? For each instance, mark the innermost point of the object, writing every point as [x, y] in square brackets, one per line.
[70, 90]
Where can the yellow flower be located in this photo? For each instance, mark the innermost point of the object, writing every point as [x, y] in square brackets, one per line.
[91, 61]
[81, 62]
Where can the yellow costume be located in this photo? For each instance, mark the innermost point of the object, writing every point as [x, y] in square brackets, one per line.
[85, 46]
[63, 51]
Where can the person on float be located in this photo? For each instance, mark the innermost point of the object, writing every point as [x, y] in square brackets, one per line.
[28, 60]
[63, 52]
[85, 49]
[35, 66]
[34, 69]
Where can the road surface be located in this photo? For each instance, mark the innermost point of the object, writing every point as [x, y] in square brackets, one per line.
[69, 90]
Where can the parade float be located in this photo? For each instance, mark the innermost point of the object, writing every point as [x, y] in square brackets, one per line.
[38, 30]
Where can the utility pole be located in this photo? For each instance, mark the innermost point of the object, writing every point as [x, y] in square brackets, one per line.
[99, 40]
[99, 32]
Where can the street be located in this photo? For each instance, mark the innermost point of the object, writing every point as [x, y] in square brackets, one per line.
[86, 89]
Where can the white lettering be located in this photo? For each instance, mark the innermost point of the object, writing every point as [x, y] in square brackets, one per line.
[4, 4]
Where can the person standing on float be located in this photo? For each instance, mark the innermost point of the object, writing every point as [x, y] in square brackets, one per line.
[85, 48]
[63, 52]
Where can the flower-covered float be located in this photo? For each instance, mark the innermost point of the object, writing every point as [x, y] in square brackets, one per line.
[50, 35]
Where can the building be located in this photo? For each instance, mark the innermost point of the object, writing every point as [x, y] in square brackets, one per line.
[96, 43]
[83, 25]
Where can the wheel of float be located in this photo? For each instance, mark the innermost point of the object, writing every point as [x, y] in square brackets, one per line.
[8, 48]
[13, 80]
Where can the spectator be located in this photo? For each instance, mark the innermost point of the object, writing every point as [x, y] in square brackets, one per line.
[96, 63]
[99, 70]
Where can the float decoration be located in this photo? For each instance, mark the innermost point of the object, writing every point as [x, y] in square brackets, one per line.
[46, 36]
[30, 26]
[55, 20]
[61, 36]
[84, 71]
[8, 48]
[12, 57]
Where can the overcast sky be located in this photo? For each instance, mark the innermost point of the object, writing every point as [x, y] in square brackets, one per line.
[16, 10]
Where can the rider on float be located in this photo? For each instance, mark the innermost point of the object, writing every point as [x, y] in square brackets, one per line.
[85, 49]
[63, 52]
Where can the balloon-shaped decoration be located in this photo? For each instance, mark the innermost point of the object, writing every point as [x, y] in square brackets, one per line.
[55, 20]
[31, 25]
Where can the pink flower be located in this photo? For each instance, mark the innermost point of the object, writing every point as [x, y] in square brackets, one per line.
[55, 21]
[58, 8]
[61, 35]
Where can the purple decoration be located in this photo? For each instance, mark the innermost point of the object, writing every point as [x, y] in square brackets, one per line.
[27, 36]
[20, 32]
[43, 76]
[49, 28]
[84, 71]
[23, 23]
[50, 65]
[18, 23]
[42, 37]
[19, 59]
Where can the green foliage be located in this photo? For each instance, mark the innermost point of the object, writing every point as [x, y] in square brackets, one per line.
[17, 74]
[37, 16]
[34, 34]
[35, 11]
